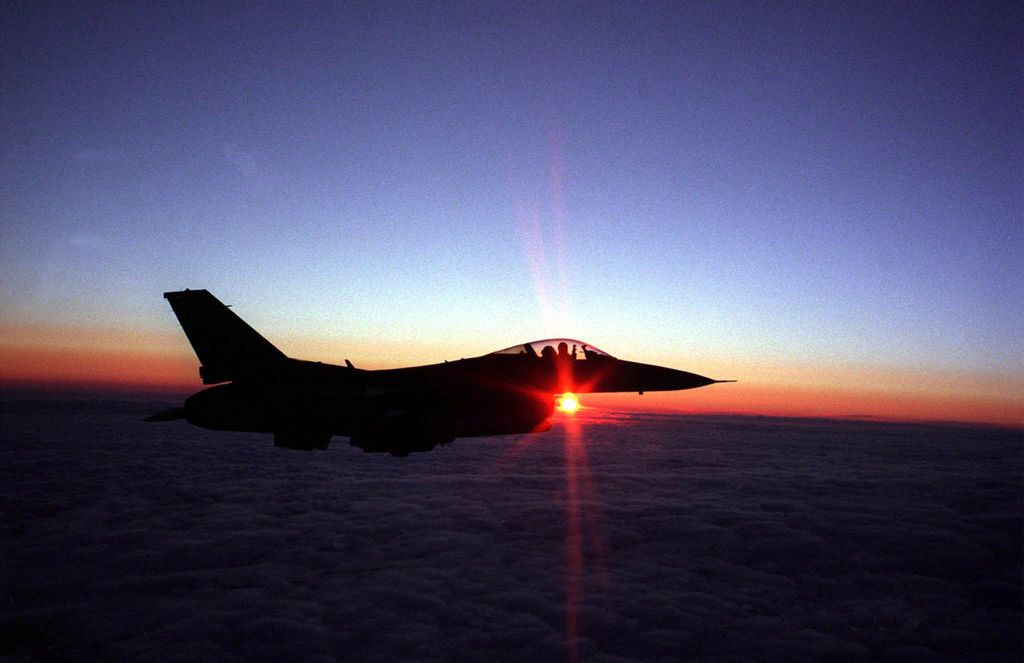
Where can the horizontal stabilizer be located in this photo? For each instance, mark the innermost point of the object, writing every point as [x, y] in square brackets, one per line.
[167, 415]
[305, 440]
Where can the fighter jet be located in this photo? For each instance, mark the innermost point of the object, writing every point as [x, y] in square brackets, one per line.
[401, 410]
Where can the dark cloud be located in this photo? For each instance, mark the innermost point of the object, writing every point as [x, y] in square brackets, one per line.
[677, 538]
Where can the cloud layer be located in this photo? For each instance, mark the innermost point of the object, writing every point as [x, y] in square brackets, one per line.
[658, 537]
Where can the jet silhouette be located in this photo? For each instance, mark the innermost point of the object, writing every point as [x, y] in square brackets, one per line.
[305, 403]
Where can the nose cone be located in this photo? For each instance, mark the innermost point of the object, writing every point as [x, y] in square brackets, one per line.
[633, 376]
[660, 378]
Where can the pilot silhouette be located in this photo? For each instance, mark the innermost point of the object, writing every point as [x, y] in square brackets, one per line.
[548, 352]
[563, 350]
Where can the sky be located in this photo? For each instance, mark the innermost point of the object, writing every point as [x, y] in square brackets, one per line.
[822, 201]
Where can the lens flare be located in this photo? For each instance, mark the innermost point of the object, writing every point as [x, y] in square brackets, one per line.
[568, 403]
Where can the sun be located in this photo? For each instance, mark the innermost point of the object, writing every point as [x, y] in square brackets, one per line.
[568, 403]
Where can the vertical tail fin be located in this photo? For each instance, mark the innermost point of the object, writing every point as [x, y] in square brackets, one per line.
[227, 347]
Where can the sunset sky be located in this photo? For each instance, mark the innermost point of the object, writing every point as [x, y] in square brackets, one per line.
[820, 200]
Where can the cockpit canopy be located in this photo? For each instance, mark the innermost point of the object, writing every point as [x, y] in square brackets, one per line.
[555, 347]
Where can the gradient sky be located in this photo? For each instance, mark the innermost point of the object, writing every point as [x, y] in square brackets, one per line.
[820, 200]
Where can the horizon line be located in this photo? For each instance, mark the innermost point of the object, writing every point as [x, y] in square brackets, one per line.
[102, 391]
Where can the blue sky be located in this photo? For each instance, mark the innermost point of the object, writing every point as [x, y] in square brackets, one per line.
[808, 182]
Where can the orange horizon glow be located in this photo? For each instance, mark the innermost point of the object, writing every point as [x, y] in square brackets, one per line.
[124, 361]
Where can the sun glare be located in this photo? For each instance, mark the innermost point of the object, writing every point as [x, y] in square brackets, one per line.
[568, 403]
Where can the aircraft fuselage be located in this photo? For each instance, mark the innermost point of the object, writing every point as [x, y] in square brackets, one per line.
[304, 403]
